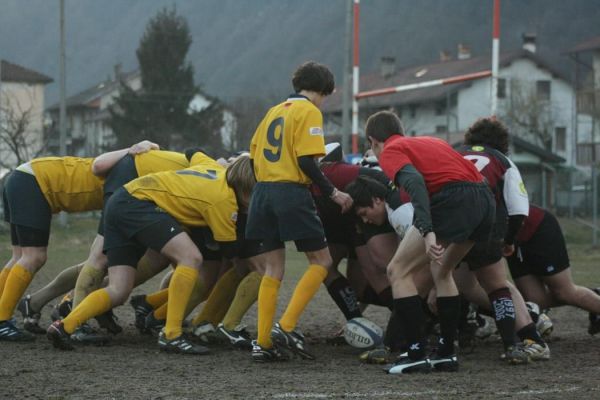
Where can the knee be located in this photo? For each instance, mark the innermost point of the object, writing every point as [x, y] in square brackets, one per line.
[192, 259]
[35, 259]
[118, 294]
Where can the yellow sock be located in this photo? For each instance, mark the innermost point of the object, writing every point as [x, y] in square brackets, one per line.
[89, 280]
[181, 287]
[198, 296]
[3, 275]
[161, 312]
[219, 299]
[267, 305]
[96, 303]
[305, 290]
[245, 296]
[17, 282]
[157, 299]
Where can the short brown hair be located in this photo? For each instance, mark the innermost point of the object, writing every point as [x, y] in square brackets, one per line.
[313, 77]
[384, 124]
[488, 132]
[240, 177]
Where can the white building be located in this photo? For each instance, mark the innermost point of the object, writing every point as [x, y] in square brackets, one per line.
[21, 113]
[88, 130]
[535, 100]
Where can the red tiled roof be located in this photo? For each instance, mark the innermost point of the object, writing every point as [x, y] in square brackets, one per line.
[15, 73]
[586, 45]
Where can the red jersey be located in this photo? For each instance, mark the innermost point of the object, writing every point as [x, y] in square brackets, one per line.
[531, 223]
[438, 163]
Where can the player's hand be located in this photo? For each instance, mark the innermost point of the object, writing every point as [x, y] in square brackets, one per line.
[143, 147]
[342, 199]
[508, 250]
[432, 248]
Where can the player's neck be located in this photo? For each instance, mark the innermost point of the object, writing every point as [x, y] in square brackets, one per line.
[313, 97]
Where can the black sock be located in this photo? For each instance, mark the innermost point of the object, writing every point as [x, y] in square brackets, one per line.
[394, 337]
[449, 313]
[345, 297]
[531, 333]
[410, 316]
[504, 315]
[385, 299]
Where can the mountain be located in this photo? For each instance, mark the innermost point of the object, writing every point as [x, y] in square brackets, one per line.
[251, 47]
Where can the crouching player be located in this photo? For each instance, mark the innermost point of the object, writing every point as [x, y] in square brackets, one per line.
[149, 212]
[540, 268]
[453, 209]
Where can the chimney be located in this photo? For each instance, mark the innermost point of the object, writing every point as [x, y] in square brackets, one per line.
[388, 66]
[464, 52]
[529, 42]
[118, 71]
[445, 56]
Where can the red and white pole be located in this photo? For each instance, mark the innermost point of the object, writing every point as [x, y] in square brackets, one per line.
[355, 76]
[495, 58]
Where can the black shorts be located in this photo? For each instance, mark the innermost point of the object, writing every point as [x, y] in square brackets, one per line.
[133, 225]
[339, 228]
[545, 254]
[463, 211]
[26, 208]
[203, 239]
[123, 172]
[483, 254]
[247, 248]
[281, 212]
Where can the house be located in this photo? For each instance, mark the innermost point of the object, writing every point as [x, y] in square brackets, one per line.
[535, 101]
[21, 113]
[88, 129]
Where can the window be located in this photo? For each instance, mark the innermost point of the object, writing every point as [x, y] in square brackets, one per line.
[543, 90]
[441, 129]
[501, 94]
[560, 138]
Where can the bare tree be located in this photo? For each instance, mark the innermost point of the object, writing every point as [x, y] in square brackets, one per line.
[19, 142]
[529, 114]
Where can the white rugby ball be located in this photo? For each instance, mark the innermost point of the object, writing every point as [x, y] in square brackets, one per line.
[363, 334]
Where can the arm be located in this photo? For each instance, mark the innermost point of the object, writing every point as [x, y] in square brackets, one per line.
[517, 205]
[104, 162]
[411, 180]
[309, 166]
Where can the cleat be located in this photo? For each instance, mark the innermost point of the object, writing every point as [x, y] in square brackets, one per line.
[536, 351]
[205, 332]
[57, 335]
[485, 328]
[31, 319]
[293, 341]
[516, 355]
[238, 337]
[260, 354]
[108, 321]
[10, 333]
[85, 335]
[444, 363]
[142, 309]
[180, 345]
[380, 355]
[153, 325]
[544, 325]
[404, 365]
[62, 309]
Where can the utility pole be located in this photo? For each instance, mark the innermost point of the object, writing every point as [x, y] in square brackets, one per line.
[62, 119]
[346, 94]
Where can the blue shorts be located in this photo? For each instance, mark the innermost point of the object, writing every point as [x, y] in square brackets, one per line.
[283, 211]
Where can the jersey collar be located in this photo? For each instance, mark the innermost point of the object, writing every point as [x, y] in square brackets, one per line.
[296, 96]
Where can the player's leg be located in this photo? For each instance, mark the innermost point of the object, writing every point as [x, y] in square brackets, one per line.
[92, 272]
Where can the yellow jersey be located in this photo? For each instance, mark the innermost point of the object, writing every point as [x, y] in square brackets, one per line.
[159, 160]
[68, 183]
[195, 196]
[291, 129]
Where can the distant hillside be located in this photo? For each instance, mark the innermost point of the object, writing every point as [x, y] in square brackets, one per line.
[250, 47]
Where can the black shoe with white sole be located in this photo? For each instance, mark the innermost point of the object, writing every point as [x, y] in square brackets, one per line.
[444, 363]
[238, 337]
[405, 365]
[10, 333]
[293, 341]
[180, 345]
[264, 355]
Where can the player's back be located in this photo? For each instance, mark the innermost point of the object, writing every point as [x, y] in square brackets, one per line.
[159, 160]
[290, 129]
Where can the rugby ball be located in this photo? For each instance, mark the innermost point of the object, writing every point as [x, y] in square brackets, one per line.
[363, 334]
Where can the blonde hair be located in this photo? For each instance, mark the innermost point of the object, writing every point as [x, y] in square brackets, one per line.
[240, 177]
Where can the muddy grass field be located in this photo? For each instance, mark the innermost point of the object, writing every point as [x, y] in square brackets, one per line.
[132, 368]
